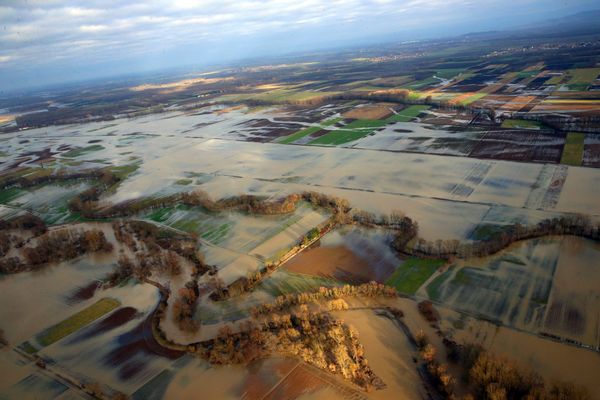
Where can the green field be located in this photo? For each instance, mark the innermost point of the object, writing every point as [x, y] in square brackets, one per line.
[285, 282]
[424, 82]
[353, 131]
[449, 73]
[77, 321]
[573, 150]
[555, 80]
[84, 150]
[409, 276]
[583, 76]
[520, 124]
[300, 134]
[408, 114]
[433, 289]
[308, 131]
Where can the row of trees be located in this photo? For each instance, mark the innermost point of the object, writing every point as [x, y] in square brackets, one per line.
[497, 378]
[103, 175]
[576, 225]
[87, 203]
[285, 302]
[491, 377]
[318, 339]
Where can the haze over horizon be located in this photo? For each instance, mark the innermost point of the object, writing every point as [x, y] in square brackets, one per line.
[50, 42]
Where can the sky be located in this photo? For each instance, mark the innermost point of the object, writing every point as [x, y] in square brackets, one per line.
[46, 42]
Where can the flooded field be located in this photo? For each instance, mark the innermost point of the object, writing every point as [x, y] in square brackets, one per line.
[539, 285]
[553, 360]
[456, 181]
[172, 155]
[351, 255]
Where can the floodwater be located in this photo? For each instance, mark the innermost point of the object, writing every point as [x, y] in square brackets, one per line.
[349, 254]
[543, 285]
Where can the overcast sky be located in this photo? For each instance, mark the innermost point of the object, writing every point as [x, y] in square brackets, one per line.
[51, 41]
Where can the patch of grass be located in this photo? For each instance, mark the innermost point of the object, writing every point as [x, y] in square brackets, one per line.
[433, 289]
[8, 195]
[573, 150]
[415, 95]
[84, 150]
[408, 114]
[184, 182]
[124, 171]
[473, 98]
[77, 321]
[217, 233]
[161, 214]
[28, 348]
[352, 131]
[486, 231]
[409, 276]
[299, 135]
[332, 121]
[520, 124]
[187, 225]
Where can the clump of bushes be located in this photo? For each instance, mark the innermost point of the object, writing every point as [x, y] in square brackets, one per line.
[184, 307]
[318, 339]
[57, 246]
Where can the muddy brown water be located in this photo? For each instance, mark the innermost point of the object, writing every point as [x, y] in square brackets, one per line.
[351, 255]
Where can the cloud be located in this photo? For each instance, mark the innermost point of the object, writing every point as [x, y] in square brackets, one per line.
[71, 33]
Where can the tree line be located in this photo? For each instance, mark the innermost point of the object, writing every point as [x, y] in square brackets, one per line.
[575, 225]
